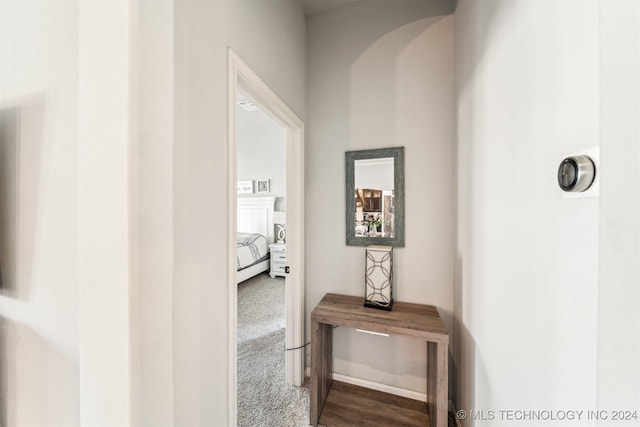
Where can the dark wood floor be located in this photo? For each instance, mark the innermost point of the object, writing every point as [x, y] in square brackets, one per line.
[350, 405]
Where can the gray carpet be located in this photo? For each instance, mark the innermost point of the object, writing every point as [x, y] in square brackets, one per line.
[264, 398]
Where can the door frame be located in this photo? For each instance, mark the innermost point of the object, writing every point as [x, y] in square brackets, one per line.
[242, 79]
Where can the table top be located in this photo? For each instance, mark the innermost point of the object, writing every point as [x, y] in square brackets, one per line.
[414, 320]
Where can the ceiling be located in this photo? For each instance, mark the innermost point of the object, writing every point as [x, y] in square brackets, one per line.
[317, 6]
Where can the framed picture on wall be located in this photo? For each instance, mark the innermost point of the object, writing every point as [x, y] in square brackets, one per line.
[262, 186]
[245, 187]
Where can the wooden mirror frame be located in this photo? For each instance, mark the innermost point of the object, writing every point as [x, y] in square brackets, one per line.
[398, 183]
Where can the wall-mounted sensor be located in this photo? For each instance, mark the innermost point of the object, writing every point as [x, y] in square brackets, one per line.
[576, 174]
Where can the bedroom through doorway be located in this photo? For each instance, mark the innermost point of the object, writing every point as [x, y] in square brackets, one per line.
[261, 253]
[266, 182]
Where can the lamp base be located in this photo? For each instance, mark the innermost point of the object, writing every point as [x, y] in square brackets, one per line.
[373, 304]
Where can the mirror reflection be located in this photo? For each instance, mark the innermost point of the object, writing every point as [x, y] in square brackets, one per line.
[374, 198]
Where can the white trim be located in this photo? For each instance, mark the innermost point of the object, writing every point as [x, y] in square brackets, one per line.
[295, 330]
[232, 164]
[409, 394]
[242, 78]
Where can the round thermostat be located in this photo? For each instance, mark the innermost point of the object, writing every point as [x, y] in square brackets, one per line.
[576, 174]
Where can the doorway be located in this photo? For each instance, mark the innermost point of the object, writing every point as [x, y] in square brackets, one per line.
[243, 80]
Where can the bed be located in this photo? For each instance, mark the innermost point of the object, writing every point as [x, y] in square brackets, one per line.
[255, 234]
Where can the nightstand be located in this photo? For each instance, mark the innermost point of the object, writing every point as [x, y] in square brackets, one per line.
[278, 259]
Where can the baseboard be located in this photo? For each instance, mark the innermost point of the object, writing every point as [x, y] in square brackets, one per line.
[410, 394]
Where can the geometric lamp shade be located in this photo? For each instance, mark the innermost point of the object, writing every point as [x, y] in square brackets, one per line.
[279, 220]
[378, 289]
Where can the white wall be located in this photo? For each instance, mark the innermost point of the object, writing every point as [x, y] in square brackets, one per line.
[67, 86]
[88, 303]
[270, 38]
[104, 212]
[39, 373]
[380, 75]
[539, 284]
[151, 160]
[261, 150]
[619, 266]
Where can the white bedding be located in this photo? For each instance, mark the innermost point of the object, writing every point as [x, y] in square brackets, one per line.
[252, 248]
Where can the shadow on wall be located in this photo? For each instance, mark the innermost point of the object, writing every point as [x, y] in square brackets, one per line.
[30, 361]
[476, 12]
[29, 364]
[400, 92]
[475, 38]
[20, 166]
[462, 374]
[463, 368]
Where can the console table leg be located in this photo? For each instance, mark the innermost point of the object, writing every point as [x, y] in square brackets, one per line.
[316, 360]
[327, 363]
[321, 368]
[437, 383]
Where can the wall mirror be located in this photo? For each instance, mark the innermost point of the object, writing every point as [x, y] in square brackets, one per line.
[375, 197]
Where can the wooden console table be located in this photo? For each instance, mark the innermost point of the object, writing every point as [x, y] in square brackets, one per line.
[413, 320]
